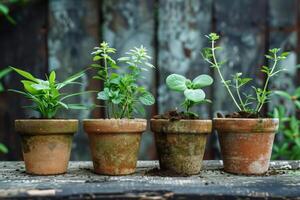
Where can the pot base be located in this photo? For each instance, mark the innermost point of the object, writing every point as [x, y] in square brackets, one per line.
[46, 155]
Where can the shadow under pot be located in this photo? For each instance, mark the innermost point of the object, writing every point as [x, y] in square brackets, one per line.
[181, 144]
[46, 144]
[246, 144]
[114, 144]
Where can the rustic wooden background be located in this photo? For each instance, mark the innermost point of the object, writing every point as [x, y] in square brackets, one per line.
[60, 34]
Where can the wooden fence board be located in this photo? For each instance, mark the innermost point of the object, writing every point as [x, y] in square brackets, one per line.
[22, 45]
[73, 32]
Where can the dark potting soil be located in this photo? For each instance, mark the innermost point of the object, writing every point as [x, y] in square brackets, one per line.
[241, 114]
[174, 115]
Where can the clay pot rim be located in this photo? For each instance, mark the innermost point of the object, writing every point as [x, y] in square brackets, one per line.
[124, 125]
[45, 120]
[187, 126]
[245, 125]
[245, 119]
[114, 119]
[42, 126]
[183, 120]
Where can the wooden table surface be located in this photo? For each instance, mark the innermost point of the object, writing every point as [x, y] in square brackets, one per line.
[282, 181]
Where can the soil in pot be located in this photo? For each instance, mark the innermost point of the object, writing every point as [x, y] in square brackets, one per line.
[246, 143]
[115, 144]
[180, 143]
[46, 144]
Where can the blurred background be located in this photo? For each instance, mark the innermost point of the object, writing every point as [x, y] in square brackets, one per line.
[44, 35]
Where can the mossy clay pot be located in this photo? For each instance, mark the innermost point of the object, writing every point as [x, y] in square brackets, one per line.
[114, 144]
[181, 144]
[46, 144]
[246, 144]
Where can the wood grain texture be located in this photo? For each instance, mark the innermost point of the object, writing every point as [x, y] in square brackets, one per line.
[281, 182]
[73, 32]
[243, 42]
[23, 45]
[182, 25]
[128, 24]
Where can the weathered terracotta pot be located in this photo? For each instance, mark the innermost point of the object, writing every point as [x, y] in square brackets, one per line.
[246, 144]
[181, 144]
[114, 144]
[46, 144]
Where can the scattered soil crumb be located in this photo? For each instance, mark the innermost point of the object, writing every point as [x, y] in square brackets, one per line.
[174, 115]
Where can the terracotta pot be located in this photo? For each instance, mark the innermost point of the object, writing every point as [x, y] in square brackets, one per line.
[181, 144]
[246, 144]
[114, 144]
[46, 144]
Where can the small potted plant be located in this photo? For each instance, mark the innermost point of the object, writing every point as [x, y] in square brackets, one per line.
[246, 136]
[115, 141]
[46, 141]
[181, 136]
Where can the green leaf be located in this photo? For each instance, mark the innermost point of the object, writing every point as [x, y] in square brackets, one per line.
[196, 95]
[96, 58]
[52, 77]
[28, 87]
[283, 94]
[103, 95]
[3, 148]
[42, 85]
[202, 81]
[4, 9]
[147, 99]
[78, 107]
[4, 72]
[70, 79]
[176, 82]
[297, 103]
[25, 74]
[297, 92]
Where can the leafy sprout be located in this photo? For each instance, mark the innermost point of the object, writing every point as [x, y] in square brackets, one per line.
[247, 102]
[122, 94]
[46, 95]
[191, 89]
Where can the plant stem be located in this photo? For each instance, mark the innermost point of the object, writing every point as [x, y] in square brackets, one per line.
[239, 96]
[221, 76]
[266, 84]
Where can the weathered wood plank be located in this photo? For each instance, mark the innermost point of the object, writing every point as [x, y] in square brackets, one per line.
[243, 42]
[23, 46]
[181, 30]
[73, 32]
[281, 182]
[128, 24]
